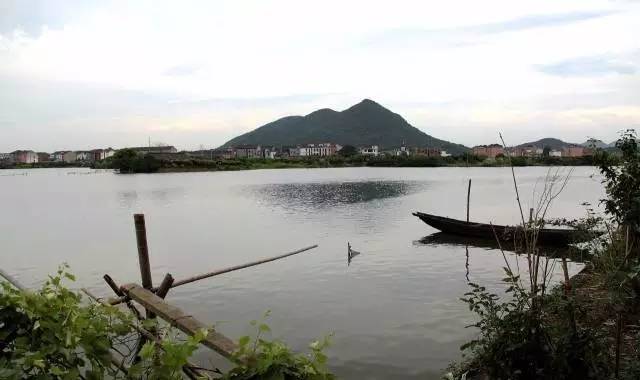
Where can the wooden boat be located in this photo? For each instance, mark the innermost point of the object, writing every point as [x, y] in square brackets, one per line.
[546, 236]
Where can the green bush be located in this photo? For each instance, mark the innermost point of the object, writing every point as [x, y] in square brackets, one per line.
[52, 334]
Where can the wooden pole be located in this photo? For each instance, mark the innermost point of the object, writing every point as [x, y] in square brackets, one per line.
[12, 280]
[143, 251]
[468, 199]
[112, 284]
[143, 254]
[183, 321]
[618, 341]
[237, 267]
[165, 285]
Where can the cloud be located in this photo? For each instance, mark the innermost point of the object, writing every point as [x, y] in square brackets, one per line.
[30, 16]
[183, 70]
[538, 21]
[465, 36]
[592, 66]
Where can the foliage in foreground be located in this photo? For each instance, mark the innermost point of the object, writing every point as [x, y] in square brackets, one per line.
[570, 333]
[51, 333]
[274, 360]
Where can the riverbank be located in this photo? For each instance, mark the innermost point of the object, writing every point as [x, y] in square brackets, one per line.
[200, 164]
[149, 163]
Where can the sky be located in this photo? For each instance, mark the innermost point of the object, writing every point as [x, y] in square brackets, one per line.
[88, 74]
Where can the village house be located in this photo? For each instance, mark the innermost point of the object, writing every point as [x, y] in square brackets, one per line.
[490, 151]
[155, 149]
[370, 151]
[555, 153]
[444, 153]
[25, 156]
[43, 157]
[426, 152]
[6, 157]
[223, 153]
[322, 150]
[294, 152]
[102, 154]
[575, 151]
[57, 156]
[270, 153]
[69, 157]
[248, 151]
[402, 151]
[84, 156]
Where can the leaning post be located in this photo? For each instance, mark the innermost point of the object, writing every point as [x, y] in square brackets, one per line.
[143, 254]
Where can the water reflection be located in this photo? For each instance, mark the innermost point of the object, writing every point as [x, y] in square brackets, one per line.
[127, 199]
[444, 239]
[332, 194]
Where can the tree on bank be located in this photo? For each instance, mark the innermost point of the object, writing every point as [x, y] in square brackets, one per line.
[348, 151]
[130, 161]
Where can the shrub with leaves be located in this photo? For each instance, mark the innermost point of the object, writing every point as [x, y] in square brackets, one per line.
[520, 342]
[51, 334]
[273, 360]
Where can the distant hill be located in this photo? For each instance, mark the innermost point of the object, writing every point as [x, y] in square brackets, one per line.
[366, 123]
[597, 143]
[550, 142]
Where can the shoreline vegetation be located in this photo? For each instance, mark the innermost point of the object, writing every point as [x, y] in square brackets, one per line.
[127, 161]
[586, 327]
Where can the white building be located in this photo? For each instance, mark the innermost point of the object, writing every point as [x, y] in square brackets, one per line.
[555, 153]
[321, 150]
[84, 156]
[443, 153]
[370, 151]
[402, 151]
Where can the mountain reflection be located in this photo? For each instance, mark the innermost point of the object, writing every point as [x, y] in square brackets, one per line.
[327, 195]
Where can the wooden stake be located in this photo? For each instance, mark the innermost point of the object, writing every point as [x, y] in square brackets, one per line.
[164, 287]
[112, 284]
[143, 251]
[618, 341]
[567, 281]
[468, 199]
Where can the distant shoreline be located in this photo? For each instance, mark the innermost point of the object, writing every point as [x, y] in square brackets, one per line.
[204, 165]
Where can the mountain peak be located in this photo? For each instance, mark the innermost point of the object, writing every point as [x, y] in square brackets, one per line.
[367, 106]
[364, 124]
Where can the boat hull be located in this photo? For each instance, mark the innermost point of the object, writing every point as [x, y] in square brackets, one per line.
[546, 236]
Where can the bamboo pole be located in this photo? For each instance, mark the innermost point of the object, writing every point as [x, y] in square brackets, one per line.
[468, 198]
[238, 267]
[12, 280]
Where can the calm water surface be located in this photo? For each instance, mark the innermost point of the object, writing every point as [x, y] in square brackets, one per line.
[395, 311]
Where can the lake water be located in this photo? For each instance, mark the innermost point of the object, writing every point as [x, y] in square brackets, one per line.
[394, 311]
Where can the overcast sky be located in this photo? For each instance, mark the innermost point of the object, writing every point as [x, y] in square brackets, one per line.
[85, 74]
